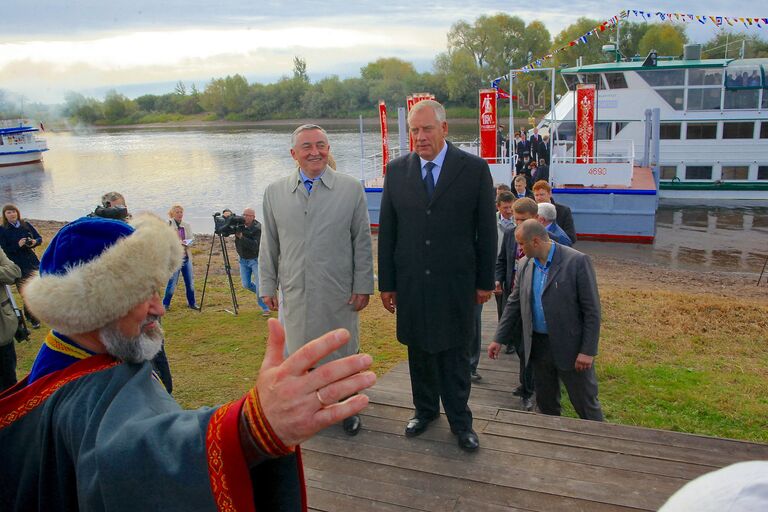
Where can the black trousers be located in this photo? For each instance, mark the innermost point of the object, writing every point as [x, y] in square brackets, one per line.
[581, 386]
[442, 376]
[7, 365]
[474, 355]
[527, 385]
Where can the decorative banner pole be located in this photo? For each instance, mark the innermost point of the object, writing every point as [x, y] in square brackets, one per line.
[488, 137]
[384, 135]
[585, 123]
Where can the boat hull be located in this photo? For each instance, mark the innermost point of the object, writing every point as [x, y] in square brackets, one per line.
[20, 158]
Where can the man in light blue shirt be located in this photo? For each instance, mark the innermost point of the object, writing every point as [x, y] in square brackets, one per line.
[547, 216]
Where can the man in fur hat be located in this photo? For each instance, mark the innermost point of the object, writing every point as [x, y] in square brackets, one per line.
[91, 429]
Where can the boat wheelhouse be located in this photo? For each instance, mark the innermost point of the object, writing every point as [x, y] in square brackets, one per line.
[19, 144]
[714, 120]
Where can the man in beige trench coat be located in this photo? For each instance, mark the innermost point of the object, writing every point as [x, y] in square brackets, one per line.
[316, 248]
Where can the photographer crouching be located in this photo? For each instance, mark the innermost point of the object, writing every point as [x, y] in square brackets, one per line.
[247, 240]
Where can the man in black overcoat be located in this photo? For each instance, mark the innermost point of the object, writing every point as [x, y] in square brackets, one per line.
[437, 246]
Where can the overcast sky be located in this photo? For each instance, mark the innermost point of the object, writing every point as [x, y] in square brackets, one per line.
[50, 47]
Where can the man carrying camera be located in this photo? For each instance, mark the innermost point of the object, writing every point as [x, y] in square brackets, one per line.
[247, 241]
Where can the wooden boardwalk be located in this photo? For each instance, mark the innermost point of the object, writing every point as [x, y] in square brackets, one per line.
[526, 461]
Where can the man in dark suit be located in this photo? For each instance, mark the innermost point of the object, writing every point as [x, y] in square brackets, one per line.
[535, 143]
[542, 171]
[542, 193]
[555, 300]
[544, 149]
[510, 254]
[437, 244]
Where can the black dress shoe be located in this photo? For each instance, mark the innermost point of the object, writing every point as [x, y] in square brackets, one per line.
[352, 425]
[416, 426]
[509, 350]
[468, 440]
[476, 376]
[518, 391]
[527, 404]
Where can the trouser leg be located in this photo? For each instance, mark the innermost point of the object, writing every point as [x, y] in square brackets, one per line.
[455, 386]
[7, 366]
[582, 391]
[545, 376]
[474, 358]
[526, 373]
[171, 288]
[189, 281]
[425, 383]
[499, 305]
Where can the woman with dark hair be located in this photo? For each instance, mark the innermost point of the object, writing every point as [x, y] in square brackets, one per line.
[18, 238]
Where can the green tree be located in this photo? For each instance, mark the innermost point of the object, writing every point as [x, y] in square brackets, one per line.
[180, 88]
[728, 45]
[117, 107]
[79, 108]
[391, 80]
[225, 96]
[300, 69]
[459, 72]
[666, 39]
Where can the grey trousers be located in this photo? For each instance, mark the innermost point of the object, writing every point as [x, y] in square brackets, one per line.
[581, 386]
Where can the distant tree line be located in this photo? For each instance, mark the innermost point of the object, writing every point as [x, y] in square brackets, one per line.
[476, 53]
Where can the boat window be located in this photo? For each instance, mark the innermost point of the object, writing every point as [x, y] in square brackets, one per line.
[566, 130]
[764, 130]
[668, 172]
[701, 131]
[704, 98]
[764, 104]
[669, 131]
[602, 131]
[616, 80]
[571, 81]
[663, 77]
[740, 130]
[744, 76]
[620, 125]
[672, 96]
[762, 172]
[592, 78]
[741, 99]
[698, 172]
[705, 77]
[735, 172]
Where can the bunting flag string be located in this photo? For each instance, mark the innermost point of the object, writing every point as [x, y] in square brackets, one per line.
[646, 15]
[717, 21]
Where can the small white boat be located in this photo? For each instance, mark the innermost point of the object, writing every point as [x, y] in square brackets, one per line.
[19, 143]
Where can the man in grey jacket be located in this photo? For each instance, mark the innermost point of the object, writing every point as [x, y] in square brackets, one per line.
[556, 302]
[316, 248]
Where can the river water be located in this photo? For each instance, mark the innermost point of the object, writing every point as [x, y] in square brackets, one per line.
[208, 169]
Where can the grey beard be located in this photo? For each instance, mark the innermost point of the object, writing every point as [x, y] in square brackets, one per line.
[132, 349]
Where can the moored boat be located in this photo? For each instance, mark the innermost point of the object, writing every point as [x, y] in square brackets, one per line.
[19, 143]
[714, 120]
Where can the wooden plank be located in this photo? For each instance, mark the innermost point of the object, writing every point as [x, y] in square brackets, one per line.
[488, 493]
[327, 501]
[378, 491]
[630, 432]
[442, 459]
[531, 446]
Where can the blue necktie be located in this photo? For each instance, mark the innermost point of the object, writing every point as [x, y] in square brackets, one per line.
[429, 179]
[308, 185]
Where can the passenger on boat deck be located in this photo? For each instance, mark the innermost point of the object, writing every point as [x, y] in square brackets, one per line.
[316, 249]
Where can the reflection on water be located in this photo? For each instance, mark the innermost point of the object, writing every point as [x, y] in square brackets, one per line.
[207, 169]
[729, 237]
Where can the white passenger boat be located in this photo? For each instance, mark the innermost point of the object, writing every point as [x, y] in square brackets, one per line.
[714, 119]
[19, 143]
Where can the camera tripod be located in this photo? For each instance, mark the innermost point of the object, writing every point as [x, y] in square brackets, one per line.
[227, 269]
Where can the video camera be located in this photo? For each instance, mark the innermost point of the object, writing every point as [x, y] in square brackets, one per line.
[111, 212]
[226, 225]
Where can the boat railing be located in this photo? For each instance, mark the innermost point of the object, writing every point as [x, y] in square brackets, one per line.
[15, 123]
[373, 168]
[611, 164]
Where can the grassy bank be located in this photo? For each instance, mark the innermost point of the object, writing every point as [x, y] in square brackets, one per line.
[677, 352]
